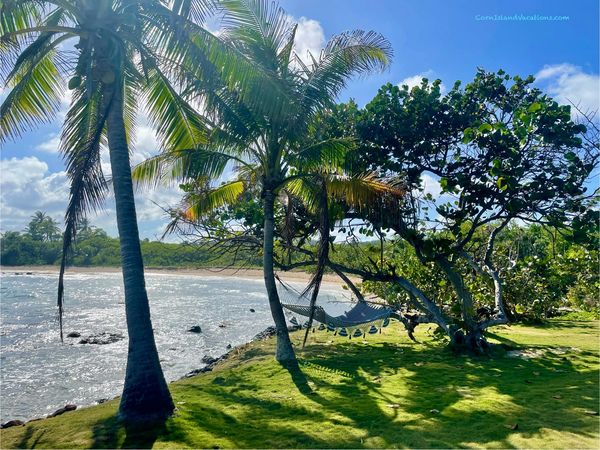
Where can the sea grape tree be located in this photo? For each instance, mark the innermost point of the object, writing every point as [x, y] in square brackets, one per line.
[502, 151]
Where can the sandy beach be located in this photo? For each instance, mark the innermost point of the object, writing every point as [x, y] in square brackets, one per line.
[204, 272]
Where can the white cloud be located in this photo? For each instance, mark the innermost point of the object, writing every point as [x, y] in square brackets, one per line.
[19, 172]
[415, 80]
[310, 38]
[26, 186]
[431, 185]
[568, 84]
[51, 145]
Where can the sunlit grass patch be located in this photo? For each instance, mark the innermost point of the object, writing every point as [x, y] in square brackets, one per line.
[386, 392]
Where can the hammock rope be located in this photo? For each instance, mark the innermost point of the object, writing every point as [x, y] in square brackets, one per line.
[364, 317]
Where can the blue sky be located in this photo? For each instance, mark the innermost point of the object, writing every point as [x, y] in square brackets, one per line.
[436, 39]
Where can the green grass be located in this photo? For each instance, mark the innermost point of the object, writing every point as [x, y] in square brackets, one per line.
[342, 398]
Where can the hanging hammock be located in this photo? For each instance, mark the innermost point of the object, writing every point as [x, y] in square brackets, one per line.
[363, 318]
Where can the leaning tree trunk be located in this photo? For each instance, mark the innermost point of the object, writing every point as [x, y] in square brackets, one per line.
[285, 352]
[322, 257]
[474, 339]
[145, 396]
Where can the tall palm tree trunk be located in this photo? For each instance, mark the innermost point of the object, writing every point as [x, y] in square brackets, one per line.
[145, 396]
[285, 352]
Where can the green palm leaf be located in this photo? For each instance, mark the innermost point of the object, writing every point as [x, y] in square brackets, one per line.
[347, 54]
[175, 121]
[326, 156]
[181, 165]
[361, 191]
[201, 203]
[82, 137]
[35, 95]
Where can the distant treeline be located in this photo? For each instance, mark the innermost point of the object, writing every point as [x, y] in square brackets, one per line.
[41, 244]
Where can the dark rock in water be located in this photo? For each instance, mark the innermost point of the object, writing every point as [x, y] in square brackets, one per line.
[29, 273]
[12, 423]
[222, 325]
[252, 310]
[102, 338]
[267, 333]
[198, 371]
[228, 347]
[195, 329]
[63, 410]
[208, 359]
[74, 334]
[101, 400]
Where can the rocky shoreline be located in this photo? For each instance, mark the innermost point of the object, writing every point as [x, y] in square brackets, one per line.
[212, 362]
[209, 362]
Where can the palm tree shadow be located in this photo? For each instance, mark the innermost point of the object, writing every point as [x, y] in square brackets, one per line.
[30, 438]
[298, 377]
[113, 433]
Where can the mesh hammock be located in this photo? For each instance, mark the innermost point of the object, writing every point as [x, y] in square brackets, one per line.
[364, 317]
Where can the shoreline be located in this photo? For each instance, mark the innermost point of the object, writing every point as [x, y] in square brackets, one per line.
[208, 366]
[329, 280]
[243, 273]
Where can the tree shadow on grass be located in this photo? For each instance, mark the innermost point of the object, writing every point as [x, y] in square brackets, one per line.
[112, 433]
[448, 394]
[381, 395]
[399, 395]
[30, 438]
[298, 377]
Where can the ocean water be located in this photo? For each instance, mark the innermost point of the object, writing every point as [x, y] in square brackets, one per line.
[38, 374]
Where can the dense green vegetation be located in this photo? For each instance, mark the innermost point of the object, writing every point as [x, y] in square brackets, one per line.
[544, 275]
[384, 392]
[93, 247]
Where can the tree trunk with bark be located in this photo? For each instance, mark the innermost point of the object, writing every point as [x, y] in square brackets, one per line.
[322, 257]
[472, 338]
[146, 397]
[285, 352]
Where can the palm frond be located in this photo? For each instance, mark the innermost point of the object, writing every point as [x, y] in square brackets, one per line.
[259, 22]
[197, 54]
[306, 190]
[347, 54]
[82, 137]
[361, 190]
[177, 124]
[181, 165]
[285, 54]
[16, 16]
[201, 203]
[195, 10]
[35, 95]
[132, 82]
[325, 156]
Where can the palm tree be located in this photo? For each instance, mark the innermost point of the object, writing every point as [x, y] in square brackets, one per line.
[262, 127]
[42, 227]
[118, 56]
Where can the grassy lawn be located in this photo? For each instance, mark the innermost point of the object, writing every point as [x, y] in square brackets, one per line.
[375, 393]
